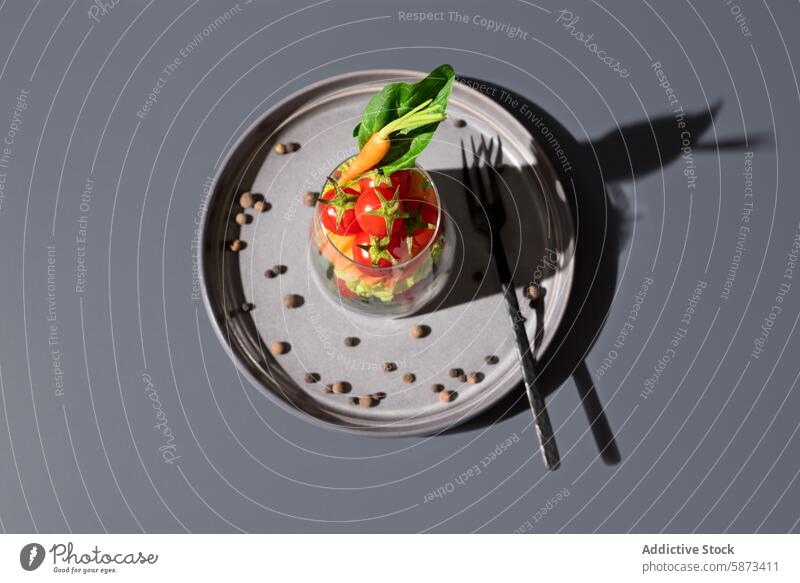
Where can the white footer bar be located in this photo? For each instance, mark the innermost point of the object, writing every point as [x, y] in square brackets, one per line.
[400, 558]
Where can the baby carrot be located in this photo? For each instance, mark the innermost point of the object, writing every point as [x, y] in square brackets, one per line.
[378, 144]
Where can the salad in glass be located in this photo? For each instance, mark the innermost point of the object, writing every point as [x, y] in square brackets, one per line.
[378, 237]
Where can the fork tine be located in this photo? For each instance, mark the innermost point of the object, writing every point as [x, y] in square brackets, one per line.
[498, 161]
[480, 189]
[486, 150]
[489, 170]
[466, 178]
[475, 159]
[496, 196]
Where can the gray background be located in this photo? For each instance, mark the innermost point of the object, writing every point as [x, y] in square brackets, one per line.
[713, 448]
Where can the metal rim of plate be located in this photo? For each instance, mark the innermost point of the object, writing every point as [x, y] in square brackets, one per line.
[223, 289]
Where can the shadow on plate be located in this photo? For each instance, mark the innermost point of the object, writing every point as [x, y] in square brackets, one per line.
[527, 254]
[603, 220]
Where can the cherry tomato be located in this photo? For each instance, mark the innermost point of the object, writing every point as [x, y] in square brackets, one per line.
[421, 224]
[414, 204]
[379, 207]
[337, 209]
[420, 239]
[372, 179]
[430, 214]
[372, 251]
[401, 179]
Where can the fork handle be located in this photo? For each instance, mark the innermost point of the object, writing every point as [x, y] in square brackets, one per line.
[541, 420]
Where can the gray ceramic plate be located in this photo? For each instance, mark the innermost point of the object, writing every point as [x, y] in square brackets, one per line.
[468, 322]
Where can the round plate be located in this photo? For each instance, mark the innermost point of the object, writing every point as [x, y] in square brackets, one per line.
[467, 322]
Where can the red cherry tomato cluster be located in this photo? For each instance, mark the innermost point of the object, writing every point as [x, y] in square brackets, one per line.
[390, 222]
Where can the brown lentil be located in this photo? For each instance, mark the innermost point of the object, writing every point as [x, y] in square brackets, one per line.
[280, 269]
[310, 198]
[351, 341]
[459, 123]
[280, 347]
[474, 378]
[532, 292]
[280, 148]
[380, 396]
[341, 387]
[419, 331]
[261, 206]
[367, 401]
[462, 378]
[246, 200]
[312, 377]
[389, 367]
[269, 273]
[409, 377]
[447, 396]
[241, 219]
[455, 373]
[293, 301]
[247, 306]
[353, 400]
[437, 388]
[491, 359]
[236, 245]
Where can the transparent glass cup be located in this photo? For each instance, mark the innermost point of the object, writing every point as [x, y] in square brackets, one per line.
[397, 290]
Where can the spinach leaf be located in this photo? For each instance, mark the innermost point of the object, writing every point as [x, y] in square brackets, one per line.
[394, 101]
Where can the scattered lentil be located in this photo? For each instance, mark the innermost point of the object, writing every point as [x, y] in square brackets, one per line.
[437, 388]
[447, 396]
[532, 292]
[474, 378]
[236, 245]
[280, 269]
[491, 359]
[462, 378]
[293, 301]
[351, 341]
[409, 377]
[246, 200]
[270, 273]
[247, 306]
[241, 219]
[341, 387]
[419, 331]
[261, 206]
[312, 377]
[367, 401]
[280, 347]
[389, 366]
[459, 123]
[310, 198]
[280, 148]
[455, 373]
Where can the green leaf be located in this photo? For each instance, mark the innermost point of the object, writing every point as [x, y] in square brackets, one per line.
[393, 102]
